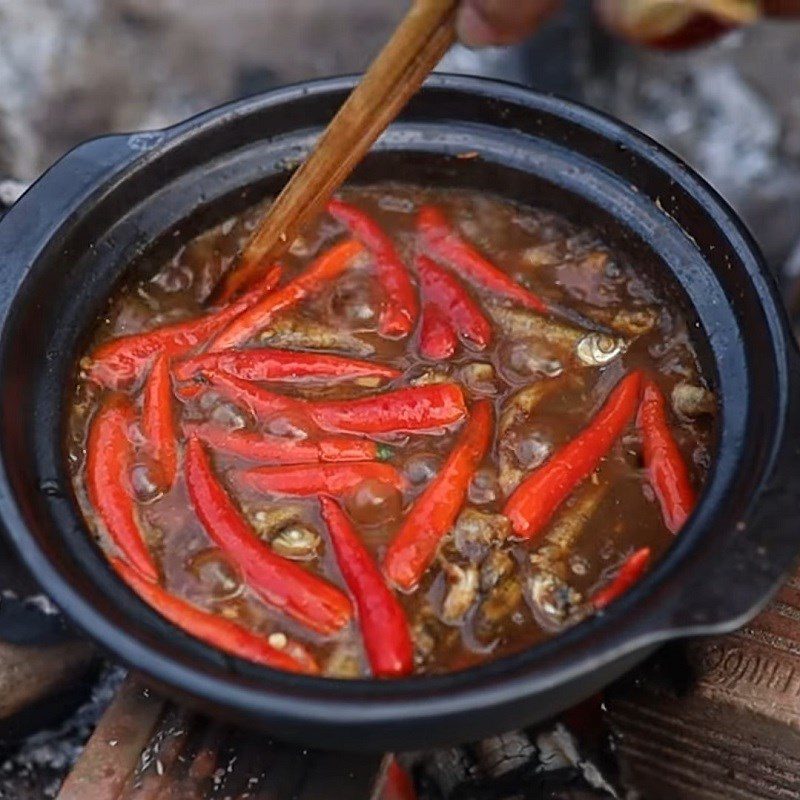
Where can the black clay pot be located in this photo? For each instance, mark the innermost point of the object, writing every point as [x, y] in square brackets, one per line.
[72, 237]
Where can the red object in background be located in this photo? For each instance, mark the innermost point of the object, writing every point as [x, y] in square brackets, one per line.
[398, 785]
[676, 25]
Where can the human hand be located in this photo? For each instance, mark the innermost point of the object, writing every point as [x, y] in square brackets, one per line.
[496, 22]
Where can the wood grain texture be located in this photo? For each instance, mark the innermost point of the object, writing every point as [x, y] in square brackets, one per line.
[416, 46]
[732, 733]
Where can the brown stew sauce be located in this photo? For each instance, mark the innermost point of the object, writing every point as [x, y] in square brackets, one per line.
[487, 593]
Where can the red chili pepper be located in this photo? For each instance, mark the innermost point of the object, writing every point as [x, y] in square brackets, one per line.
[666, 469]
[284, 450]
[269, 364]
[312, 479]
[435, 510]
[215, 630]
[442, 242]
[412, 409]
[398, 785]
[443, 291]
[417, 408]
[536, 499]
[630, 572]
[109, 459]
[261, 403]
[383, 623]
[119, 362]
[400, 306]
[437, 339]
[158, 422]
[325, 269]
[281, 583]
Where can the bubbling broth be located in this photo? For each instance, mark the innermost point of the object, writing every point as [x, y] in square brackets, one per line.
[445, 428]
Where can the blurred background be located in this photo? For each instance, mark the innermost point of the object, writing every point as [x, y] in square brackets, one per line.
[72, 69]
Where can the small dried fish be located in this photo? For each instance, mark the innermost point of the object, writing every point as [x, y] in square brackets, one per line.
[297, 543]
[517, 410]
[479, 377]
[462, 590]
[692, 401]
[269, 521]
[499, 604]
[430, 376]
[553, 601]
[625, 321]
[476, 531]
[299, 332]
[344, 662]
[589, 348]
[552, 557]
[497, 565]
[428, 634]
[516, 323]
[598, 349]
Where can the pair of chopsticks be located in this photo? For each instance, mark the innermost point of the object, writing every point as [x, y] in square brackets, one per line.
[417, 45]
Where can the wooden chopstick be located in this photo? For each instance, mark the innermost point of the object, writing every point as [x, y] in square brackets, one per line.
[417, 45]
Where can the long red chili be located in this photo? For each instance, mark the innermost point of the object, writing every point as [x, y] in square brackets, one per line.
[158, 422]
[536, 499]
[400, 306]
[215, 630]
[443, 243]
[435, 510]
[261, 403]
[109, 459]
[285, 450]
[312, 479]
[631, 570]
[281, 583]
[445, 292]
[666, 469]
[437, 339]
[270, 364]
[326, 268]
[119, 362]
[383, 623]
[417, 408]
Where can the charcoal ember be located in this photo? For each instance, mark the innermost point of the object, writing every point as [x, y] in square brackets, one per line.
[542, 764]
[717, 718]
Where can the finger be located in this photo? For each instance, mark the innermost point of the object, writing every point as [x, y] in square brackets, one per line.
[496, 22]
